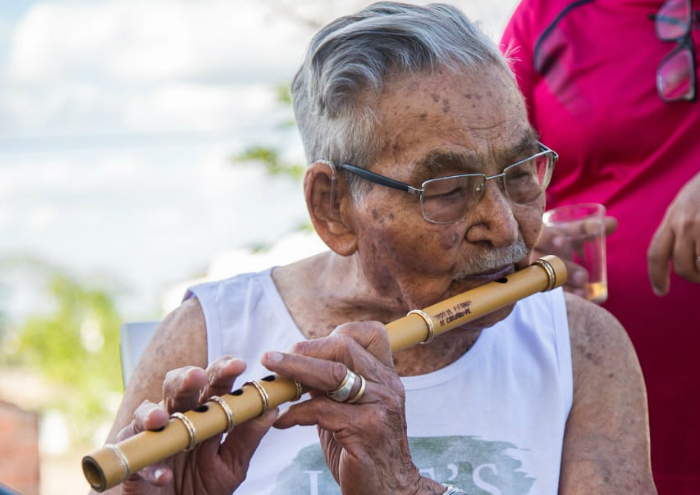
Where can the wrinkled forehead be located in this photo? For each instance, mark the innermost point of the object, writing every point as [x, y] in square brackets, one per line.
[479, 113]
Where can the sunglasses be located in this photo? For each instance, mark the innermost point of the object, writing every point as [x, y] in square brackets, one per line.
[675, 76]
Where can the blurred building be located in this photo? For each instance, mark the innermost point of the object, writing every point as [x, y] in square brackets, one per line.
[19, 449]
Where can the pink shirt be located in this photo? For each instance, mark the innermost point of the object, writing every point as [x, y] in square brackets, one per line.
[587, 69]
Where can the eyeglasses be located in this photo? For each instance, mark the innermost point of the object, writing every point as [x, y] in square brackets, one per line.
[448, 199]
[675, 76]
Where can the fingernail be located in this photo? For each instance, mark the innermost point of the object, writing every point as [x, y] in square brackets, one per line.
[158, 473]
[580, 277]
[274, 356]
[657, 291]
[559, 242]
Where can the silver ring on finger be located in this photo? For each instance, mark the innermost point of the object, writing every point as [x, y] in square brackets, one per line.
[342, 393]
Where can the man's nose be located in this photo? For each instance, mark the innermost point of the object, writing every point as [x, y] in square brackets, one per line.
[492, 217]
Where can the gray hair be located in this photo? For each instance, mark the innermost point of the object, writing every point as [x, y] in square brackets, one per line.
[349, 61]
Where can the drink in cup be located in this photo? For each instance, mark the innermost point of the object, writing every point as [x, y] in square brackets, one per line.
[584, 228]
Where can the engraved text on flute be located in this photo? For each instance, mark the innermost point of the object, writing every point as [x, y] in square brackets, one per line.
[451, 314]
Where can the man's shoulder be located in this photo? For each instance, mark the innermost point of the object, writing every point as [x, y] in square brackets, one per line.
[588, 320]
[600, 346]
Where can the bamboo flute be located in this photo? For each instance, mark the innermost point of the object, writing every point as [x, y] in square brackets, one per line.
[113, 464]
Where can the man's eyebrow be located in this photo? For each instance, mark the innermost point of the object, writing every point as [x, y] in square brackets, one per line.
[526, 146]
[439, 160]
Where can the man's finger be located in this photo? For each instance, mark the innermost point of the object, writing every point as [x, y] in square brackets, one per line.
[221, 375]
[315, 373]
[148, 416]
[241, 443]
[610, 225]
[182, 388]
[685, 261]
[659, 259]
[157, 475]
[553, 241]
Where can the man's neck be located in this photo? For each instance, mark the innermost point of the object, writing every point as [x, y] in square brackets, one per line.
[324, 291]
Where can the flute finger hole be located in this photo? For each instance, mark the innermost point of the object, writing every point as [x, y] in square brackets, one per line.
[238, 391]
[269, 378]
[201, 409]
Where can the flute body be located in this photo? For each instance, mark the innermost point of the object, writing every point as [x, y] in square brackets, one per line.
[113, 464]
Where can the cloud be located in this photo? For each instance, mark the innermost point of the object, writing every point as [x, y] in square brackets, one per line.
[200, 107]
[121, 66]
[147, 42]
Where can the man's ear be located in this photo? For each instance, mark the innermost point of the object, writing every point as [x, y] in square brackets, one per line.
[328, 200]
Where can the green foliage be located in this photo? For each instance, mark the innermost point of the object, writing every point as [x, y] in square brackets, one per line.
[269, 158]
[76, 347]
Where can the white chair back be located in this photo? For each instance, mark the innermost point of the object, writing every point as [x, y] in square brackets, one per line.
[133, 337]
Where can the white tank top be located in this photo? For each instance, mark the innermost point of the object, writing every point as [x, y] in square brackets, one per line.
[492, 422]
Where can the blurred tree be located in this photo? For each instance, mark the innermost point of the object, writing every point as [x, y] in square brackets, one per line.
[75, 346]
[268, 156]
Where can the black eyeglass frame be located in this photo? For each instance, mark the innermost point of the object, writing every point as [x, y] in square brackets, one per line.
[382, 180]
[685, 42]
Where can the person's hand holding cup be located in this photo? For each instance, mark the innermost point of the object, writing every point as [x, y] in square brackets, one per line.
[577, 234]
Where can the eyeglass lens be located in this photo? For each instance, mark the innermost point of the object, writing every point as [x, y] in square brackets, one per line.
[675, 77]
[673, 20]
[448, 199]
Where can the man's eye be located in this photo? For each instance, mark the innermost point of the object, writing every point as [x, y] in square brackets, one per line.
[445, 188]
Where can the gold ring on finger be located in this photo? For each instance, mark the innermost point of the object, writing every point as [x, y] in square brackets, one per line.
[361, 392]
[189, 426]
[264, 397]
[227, 411]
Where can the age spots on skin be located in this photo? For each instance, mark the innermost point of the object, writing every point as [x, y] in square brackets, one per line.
[450, 242]
[445, 105]
[375, 214]
[423, 116]
[468, 96]
[436, 97]
[593, 358]
[391, 216]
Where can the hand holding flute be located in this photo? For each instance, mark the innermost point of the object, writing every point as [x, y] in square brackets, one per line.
[348, 434]
[213, 467]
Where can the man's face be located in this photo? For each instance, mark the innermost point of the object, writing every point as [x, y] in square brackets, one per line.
[434, 126]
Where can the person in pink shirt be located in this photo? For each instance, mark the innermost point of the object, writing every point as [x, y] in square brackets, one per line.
[612, 86]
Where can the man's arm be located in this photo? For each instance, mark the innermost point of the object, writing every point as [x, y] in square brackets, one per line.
[171, 370]
[606, 445]
[179, 341]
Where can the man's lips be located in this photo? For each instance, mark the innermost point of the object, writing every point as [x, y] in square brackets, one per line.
[490, 275]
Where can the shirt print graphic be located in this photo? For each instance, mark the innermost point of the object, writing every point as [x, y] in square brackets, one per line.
[477, 466]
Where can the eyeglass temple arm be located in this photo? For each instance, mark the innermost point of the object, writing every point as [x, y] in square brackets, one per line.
[379, 179]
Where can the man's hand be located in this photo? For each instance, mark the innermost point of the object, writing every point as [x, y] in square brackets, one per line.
[212, 467]
[553, 241]
[677, 239]
[365, 443]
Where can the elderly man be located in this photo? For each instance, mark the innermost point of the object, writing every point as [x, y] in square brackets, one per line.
[425, 180]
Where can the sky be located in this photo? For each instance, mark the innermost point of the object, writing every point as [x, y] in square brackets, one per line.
[118, 121]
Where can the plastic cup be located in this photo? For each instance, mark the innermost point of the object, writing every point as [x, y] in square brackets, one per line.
[584, 229]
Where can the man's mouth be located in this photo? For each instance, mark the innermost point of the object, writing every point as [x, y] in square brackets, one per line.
[467, 282]
[491, 275]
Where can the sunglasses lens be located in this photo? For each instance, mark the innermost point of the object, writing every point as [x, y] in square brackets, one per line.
[673, 20]
[674, 79]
